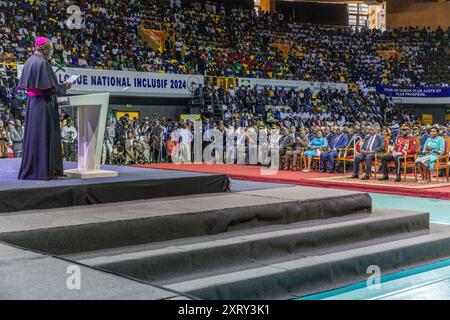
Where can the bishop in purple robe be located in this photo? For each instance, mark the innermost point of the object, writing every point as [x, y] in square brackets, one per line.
[42, 154]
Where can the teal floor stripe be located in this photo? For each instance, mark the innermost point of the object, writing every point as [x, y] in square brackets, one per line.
[384, 279]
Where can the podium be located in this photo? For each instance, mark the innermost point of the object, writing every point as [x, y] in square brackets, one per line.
[92, 111]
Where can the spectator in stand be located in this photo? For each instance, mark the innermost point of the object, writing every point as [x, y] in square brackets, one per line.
[237, 43]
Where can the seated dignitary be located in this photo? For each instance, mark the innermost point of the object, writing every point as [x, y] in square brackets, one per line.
[433, 148]
[337, 142]
[314, 147]
[286, 141]
[301, 142]
[404, 145]
[373, 144]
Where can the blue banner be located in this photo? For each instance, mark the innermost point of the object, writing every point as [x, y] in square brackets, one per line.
[414, 92]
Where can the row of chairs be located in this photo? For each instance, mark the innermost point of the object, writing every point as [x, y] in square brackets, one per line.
[347, 155]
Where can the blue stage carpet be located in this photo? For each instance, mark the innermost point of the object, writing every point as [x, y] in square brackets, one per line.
[9, 169]
[131, 184]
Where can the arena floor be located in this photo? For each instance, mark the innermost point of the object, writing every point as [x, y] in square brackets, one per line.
[427, 282]
[431, 281]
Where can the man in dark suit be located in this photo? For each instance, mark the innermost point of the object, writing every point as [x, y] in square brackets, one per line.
[301, 142]
[424, 136]
[286, 141]
[294, 133]
[352, 138]
[328, 134]
[16, 136]
[373, 144]
[336, 142]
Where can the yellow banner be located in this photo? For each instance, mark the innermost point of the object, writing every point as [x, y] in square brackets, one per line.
[353, 86]
[282, 47]
[190, 117]
[427, 118]
[386, 54]
[132, 114]
[158, 37]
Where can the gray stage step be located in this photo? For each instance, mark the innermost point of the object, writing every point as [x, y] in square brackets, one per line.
[87, 228]
[28, 275]
[299, 277]
[166, 261]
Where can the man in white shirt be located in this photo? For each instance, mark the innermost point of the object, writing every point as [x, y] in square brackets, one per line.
[232, 92]
[185, 137]
[66, 56]
[227, 115]
[229, 144]
[178, 48]
[108, 143]
[82, 62]
[68, 137]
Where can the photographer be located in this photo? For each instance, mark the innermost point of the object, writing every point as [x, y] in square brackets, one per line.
[68, 137]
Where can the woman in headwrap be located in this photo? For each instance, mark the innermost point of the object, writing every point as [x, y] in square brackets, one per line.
[42, 154]
[434, 148]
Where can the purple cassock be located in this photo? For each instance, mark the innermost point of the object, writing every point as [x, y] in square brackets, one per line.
[42, 154]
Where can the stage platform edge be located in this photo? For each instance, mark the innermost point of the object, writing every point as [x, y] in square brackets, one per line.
[130, 184]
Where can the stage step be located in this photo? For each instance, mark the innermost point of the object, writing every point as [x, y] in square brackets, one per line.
[299, 277]
[88, 228]
[196, 257]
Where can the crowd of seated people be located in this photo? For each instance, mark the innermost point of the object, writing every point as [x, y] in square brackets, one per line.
[304, 141]
[153, 142]
[108, 38]
[239, 42]
[292, 106]
[421, 148]
[214, 41]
